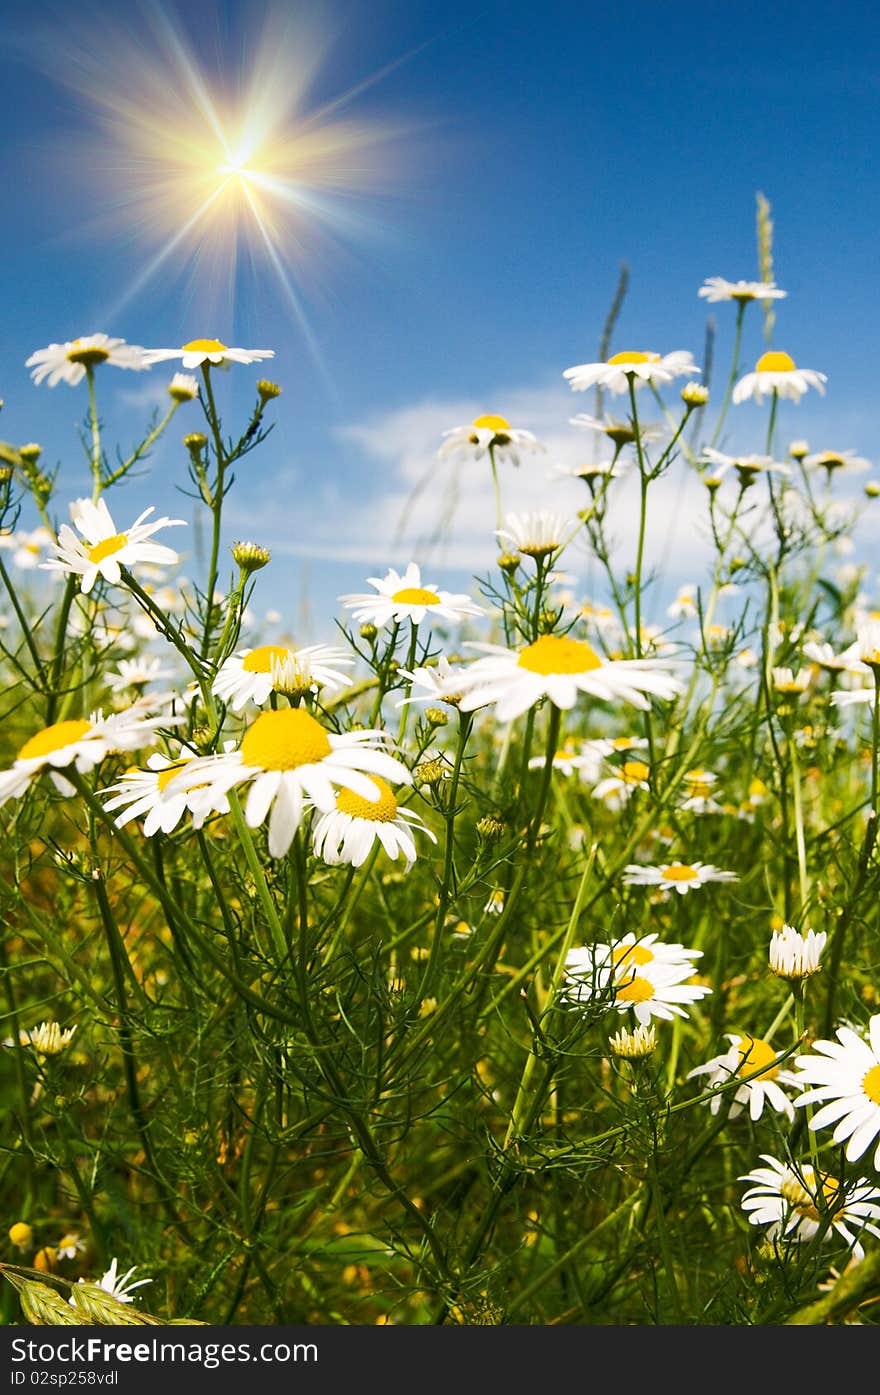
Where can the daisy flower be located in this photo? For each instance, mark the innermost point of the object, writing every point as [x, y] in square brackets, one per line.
[746, 1055]
[139, 792]
[793, 1201]
[80, 743]
[404, 597]
[27, 546]
[823, 654]
[618, 371]
[715, 289]
[777, 372]
[747, 467]
[868, 644]
[569, 761]
[684, 606]
[485, 432]
[286, 757]
[349, 832]
[622, 433]
[560, 668]
[103, 550]
[634, 1046]
[444, 682]
[845, 1076]
[698, 792]
[119, 1286]
[837, 462]
[199, 351]
[676, 876]
[630, 776]
[250, 675]
[632, 953]
[136, 673]
[183, 387]
[642, 976]
[70, 1245]
[538, 533]
[796, 956]
[49, 1039]
[67, 363]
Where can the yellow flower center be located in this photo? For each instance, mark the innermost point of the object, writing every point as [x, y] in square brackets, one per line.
[755, 1052]
[261, 660]
[88, 356]
[633, 772]
[797, 1196]
[285, 740]
[638, 990]
[679, 872]
[167, 775]
[491, 423]
[831, 460]
[871, 1084]
[204, 346]
[623, 743]
[106, 547]
[625, 955]
[381, 810]
[53, 738]
[558, 654]
[775, 362]
[633, 356]
[416, 595]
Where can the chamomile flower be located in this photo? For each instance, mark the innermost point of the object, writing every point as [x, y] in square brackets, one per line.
[67, 363]
[250, 675]
[617, 789]
[794, 1201]
[27, 546]
[746, 467]
[777, 372]
[102, 550]
[81, 743]
[684, 606]
[868, 644]
[48, 1039]
[442, 682]
[632, 953]
[644, 977]
[837, 462]
[538, 533]
[633, 1046]
[70, 1245]
[795, 956]
[676, 876]
[823, 654]
[746, 1055]
[698, 792]
[634, 366]
[715, 289]
[136, 673]
[592, 472]
[348, 833]
[485, 432]
[654, 992]
[559, 668]
[621, 433]
[199, 351]
[403, 597]
[288, 757]
[845, 1080]
[120, 1286]
[141, 792]
[569, 760]
[183, 387]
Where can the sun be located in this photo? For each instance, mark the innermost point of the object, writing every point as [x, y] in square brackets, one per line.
[209, 168]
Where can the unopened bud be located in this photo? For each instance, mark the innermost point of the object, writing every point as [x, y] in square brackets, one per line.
[799, 449]
[490, 827]
[267, 390]
[195, 442]
[368, 632]
[21, 1234]
[250, 556]
[872, 489]
[694, 395]
[508, 562]
[30, 452]
[436, 716]
[430, 772]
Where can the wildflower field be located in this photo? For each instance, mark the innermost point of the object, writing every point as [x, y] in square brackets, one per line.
[500, 958]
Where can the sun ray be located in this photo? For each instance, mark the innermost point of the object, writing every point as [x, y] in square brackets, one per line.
[200, 167]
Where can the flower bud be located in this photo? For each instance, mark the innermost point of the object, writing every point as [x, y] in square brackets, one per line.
[508, 562]
[183, 388]
[695, 395]
[436, 716]
[195, 442]
[31, 452]
[368, 632]
[22, 1235]
[250, 556]
[267, 390]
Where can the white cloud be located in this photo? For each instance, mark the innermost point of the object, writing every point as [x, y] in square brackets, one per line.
[442, 512]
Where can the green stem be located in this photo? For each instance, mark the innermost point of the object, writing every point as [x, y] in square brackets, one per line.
[734, 373]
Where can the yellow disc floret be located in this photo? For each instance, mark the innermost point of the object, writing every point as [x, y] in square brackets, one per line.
[415, 595]
[380, 810]
[491, 423]
[106, 547]
[205, 346]
[285, 740]
[638, 990]
[775, 362]
[680, 872]
[262, 659]
[558, 654]
[633, 356]
[625, 955]
[54, 738]
[755, 1053]
[871, 1084]
[634, 772]
[88, 356]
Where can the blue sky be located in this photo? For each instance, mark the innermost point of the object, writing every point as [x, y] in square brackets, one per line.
[540, 146]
